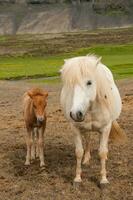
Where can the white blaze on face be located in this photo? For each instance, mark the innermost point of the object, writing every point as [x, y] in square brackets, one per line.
[80, 100]
[82, 97]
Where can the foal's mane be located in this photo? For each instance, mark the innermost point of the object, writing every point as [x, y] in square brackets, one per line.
[36, 92]
[76, 68]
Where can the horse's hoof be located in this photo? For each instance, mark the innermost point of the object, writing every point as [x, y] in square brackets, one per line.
[42, 165]
[76, 185]
[104, 181]
[104, 184]
[27, 163]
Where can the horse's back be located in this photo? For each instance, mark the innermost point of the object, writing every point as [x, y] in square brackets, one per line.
[26, 105]
[114, 91]
[117, 101]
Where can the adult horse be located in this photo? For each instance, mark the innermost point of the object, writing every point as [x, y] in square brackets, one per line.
[91, 102]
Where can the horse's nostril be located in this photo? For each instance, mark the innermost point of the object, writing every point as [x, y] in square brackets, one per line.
[40, 119]
[79, 115]
[71, 114]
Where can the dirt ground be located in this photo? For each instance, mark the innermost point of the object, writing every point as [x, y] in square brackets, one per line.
[18, 182]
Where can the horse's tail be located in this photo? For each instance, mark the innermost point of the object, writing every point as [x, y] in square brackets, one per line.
[117, 134]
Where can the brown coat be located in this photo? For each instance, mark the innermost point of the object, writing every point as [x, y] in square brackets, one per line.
[35, 101]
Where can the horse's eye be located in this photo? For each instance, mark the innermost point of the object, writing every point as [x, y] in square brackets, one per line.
[34, 106]
[89, 83]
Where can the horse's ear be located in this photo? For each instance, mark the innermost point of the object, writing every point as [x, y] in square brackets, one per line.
[60, 71]
[30, 94]
[65, 60]
[45, 94]
[98, 60]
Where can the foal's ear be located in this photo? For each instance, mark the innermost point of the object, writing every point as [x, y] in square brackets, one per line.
[45, 94]
[98, 60]
[30, 94]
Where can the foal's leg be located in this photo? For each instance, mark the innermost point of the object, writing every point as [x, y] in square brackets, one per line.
[87, 155]
[37, 143]
[103, 151]
[79, 154]
[41, 146]
[33, 145]
[29, 144]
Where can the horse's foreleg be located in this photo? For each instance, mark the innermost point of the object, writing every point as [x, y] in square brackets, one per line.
[87, 155]
[33, 145]
[103, 151]
[79, 155]
[29, 144]
[41, 146]
[37, 143]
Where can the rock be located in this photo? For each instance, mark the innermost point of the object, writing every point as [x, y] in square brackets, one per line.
[7, 1]
[6, 24]
[54, 16]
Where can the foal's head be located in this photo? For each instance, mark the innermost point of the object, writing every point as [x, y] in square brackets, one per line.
[39, 99]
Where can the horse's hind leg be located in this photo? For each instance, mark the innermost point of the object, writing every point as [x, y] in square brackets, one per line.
[87, 155]
[33, 145]
[79, 154]
[103, 151]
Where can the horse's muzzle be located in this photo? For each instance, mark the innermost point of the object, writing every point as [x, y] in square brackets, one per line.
[40, 119]
[78, 117]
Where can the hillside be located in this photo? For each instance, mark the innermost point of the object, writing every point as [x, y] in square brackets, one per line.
[39, 16]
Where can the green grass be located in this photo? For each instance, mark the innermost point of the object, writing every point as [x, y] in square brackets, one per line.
[3, 38]
[119, 58]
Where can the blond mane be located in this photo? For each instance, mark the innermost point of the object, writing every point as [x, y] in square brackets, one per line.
[75, 69]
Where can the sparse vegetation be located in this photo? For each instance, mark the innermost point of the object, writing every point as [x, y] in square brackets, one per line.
[55, 44]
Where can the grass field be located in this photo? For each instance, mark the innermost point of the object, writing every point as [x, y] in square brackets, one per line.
[118, 58]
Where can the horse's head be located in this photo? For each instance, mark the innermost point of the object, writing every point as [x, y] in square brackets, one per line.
[83, 94]
[39, 99]
[78, 75]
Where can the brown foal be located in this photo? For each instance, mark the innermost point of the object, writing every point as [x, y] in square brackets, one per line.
[35, 101]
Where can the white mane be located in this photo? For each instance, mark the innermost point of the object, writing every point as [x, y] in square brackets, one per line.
[76, 68]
